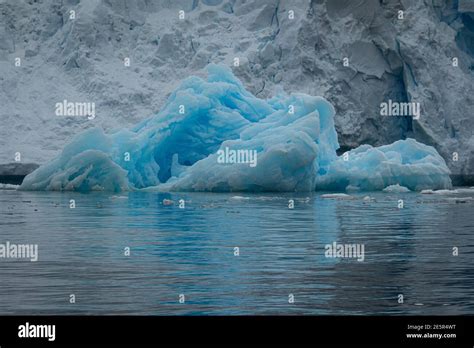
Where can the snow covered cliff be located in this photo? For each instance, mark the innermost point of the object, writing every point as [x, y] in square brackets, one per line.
[356, 54]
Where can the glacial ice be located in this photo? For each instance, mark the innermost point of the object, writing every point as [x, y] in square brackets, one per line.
[293, 136]
[407, 163]
[396, 189]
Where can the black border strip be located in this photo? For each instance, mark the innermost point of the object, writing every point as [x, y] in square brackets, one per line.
[288, 330]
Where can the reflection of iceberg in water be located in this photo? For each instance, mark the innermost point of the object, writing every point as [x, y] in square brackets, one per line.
[176, 150]
[282, 251]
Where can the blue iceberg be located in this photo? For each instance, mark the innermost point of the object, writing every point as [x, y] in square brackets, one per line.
[407, 163]
[213, 135]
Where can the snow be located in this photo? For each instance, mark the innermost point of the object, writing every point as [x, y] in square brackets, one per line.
[293, 136]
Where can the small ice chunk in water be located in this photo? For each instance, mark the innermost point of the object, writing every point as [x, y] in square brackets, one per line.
[439, 192]
[8, 187]
[337, 196]
[396, 189]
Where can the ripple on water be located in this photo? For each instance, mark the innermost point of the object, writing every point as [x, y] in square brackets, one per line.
[281, 251]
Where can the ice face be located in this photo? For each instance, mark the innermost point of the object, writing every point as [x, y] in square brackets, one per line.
[213, 135]
[405, 162]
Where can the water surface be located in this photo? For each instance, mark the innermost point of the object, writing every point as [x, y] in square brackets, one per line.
[190, 251]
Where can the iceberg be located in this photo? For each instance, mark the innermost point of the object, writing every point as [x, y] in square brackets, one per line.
[292, 137]
[406, 163]
[396, 189]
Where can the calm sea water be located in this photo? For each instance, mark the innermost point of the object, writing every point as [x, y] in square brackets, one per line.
[190, 251]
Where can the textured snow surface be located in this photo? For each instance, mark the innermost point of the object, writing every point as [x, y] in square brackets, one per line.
[293, 137]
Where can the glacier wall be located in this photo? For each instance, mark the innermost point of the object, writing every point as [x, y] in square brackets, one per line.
[293, 137]
[409, 59]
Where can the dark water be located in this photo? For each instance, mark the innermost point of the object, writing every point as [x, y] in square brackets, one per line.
[190, 251]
